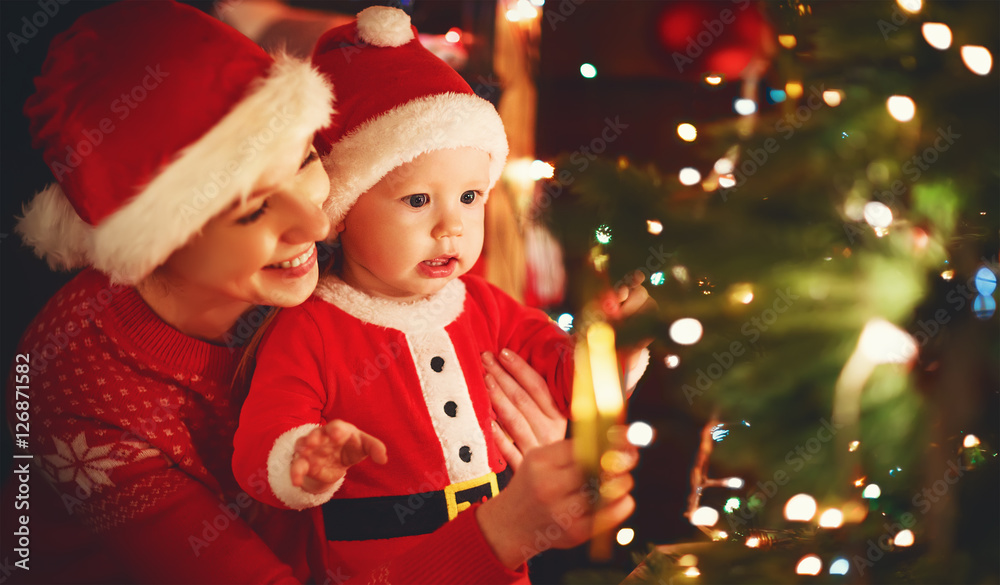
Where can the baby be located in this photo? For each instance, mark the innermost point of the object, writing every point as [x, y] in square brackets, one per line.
[391, 342]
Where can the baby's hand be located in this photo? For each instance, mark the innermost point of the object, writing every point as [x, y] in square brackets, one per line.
[322, 457]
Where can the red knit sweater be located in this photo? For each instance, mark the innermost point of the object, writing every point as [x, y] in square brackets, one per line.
[129, 420]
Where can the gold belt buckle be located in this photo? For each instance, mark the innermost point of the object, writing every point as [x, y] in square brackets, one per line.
[451, 492]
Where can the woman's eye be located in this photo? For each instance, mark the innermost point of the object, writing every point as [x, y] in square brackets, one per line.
[418, 200]
[312, 156]
[248, 219]
[469, 197]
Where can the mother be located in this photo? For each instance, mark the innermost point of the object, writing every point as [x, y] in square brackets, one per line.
[190, 194]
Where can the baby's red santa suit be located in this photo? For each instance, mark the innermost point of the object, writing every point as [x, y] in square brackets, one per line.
[409, 374]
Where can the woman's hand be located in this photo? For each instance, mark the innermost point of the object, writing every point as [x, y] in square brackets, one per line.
[549, 505]
[526, 413]
[322, 457]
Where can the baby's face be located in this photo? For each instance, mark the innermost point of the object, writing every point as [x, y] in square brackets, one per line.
[418, 228]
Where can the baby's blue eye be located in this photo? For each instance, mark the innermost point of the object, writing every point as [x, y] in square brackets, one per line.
[468, 197]
[418, 200]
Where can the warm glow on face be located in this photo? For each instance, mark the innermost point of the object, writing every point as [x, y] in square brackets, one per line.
[238, 257]
[393, 249]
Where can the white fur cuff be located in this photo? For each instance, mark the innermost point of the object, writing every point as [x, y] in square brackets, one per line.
[279, 465]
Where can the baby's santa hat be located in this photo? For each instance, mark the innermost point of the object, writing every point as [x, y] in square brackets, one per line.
[155, 117]
[396, 101]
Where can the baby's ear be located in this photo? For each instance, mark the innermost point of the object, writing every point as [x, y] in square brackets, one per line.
[340, 227]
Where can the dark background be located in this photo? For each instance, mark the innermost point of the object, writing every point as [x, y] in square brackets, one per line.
[637, 83]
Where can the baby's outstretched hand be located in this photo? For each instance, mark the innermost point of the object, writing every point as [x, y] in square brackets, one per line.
[322, 457]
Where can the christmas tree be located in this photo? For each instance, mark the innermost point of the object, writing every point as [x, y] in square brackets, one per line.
[825, 280]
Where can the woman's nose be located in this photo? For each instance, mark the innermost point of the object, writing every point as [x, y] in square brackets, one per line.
[307, 222]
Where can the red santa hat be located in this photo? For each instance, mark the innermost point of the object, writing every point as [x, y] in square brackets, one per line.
[154, 117]
[396, 100]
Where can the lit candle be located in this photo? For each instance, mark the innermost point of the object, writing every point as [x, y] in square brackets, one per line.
[596, 406]
[604, 368]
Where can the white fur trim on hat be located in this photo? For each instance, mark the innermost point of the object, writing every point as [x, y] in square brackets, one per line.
[267, 129]
[383, 26]
[51, 226]
[448, 120]
[279, 468]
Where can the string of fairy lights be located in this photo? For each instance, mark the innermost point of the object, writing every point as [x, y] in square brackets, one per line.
[880, 342]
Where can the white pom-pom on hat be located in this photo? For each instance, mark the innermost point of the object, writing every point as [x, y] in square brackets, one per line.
[383, 26]
[394, 104]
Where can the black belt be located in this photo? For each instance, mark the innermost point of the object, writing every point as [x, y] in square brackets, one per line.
[409, 515]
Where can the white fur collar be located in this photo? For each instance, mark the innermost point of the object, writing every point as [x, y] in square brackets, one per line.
[433, 313]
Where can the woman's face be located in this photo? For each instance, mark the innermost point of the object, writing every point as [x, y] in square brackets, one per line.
[261, 251]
